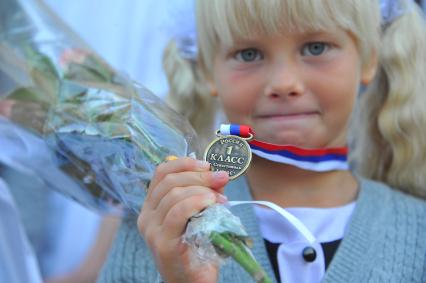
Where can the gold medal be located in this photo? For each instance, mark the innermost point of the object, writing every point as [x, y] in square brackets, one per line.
[229, 153]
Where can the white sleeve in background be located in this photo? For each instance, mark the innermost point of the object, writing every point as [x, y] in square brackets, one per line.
[17, 260]
[28, 154]
[25, 152]
[71, 237]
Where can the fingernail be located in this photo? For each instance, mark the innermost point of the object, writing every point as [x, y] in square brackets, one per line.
[171, 157]
[203, 164]
[222, 199]
[210, 199]
[220, 175]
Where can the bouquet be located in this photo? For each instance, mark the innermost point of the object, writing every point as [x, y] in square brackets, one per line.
[102, 133]
[106, 132]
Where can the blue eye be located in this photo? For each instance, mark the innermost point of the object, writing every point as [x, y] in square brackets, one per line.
[248, 55]
[314, 49]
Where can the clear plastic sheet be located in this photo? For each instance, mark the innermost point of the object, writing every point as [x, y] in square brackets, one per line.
[105, 133]
[215, 234]
[215, 219]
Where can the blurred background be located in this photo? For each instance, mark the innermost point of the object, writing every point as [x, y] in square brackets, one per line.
[129, 34]
[70, 242]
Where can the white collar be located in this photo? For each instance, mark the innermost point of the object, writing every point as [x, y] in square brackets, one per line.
[326, 224]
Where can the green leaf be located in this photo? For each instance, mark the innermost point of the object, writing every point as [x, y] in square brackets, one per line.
[30, 94]
[41, 62]
[48, 84]
[92, 69]
[99, 67]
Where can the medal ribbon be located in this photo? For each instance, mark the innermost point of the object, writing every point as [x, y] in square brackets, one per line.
[318, 159]
[243, 131]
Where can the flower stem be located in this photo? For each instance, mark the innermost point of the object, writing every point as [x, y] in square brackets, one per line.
[235, 248]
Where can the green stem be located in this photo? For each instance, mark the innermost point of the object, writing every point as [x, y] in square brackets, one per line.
[239, 252]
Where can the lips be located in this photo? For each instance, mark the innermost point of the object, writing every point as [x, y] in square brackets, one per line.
[293, 114]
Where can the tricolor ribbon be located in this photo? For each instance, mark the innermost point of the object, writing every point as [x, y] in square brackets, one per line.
[243, 131]
[319, 159]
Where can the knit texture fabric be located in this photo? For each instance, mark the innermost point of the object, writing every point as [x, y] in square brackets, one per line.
[385, 241]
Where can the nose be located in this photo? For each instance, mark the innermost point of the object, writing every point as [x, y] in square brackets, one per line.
[284, 81]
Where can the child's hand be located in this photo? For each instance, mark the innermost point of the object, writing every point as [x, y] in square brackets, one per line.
[179, 189]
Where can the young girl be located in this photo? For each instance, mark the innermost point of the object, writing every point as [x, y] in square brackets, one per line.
[292, 70]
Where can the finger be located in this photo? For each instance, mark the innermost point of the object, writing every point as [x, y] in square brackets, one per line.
[154, 217]
[177, 195]
[212, 180]
[176, 166]
[174, 223]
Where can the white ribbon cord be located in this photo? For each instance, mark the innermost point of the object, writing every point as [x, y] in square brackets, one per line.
[322, 166]
[293, 220]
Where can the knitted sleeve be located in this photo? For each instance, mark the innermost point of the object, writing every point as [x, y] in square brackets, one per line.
[385, 240]
[130, 259]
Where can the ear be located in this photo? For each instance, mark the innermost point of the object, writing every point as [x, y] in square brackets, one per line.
[369, 69]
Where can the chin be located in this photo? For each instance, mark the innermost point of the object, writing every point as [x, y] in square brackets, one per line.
[284, 135]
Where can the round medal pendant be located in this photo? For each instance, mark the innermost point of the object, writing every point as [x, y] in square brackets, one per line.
[229, 153]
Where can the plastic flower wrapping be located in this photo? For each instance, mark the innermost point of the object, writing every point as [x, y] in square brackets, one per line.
[69, 118]
[215, 234]
[105, 132]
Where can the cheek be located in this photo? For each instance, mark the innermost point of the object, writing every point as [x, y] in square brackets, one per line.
[236, 94]
[337, 107]
[339, 89]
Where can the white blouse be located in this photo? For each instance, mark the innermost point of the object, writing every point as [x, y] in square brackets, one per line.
[326, 224]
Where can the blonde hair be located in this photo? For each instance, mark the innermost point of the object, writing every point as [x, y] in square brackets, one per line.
[390, 142]
[389, 125]
[189, 93]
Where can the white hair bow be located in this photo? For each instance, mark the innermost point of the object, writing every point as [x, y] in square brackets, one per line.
[393, 9]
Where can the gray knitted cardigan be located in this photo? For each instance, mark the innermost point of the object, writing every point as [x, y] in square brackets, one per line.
[385, 242]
